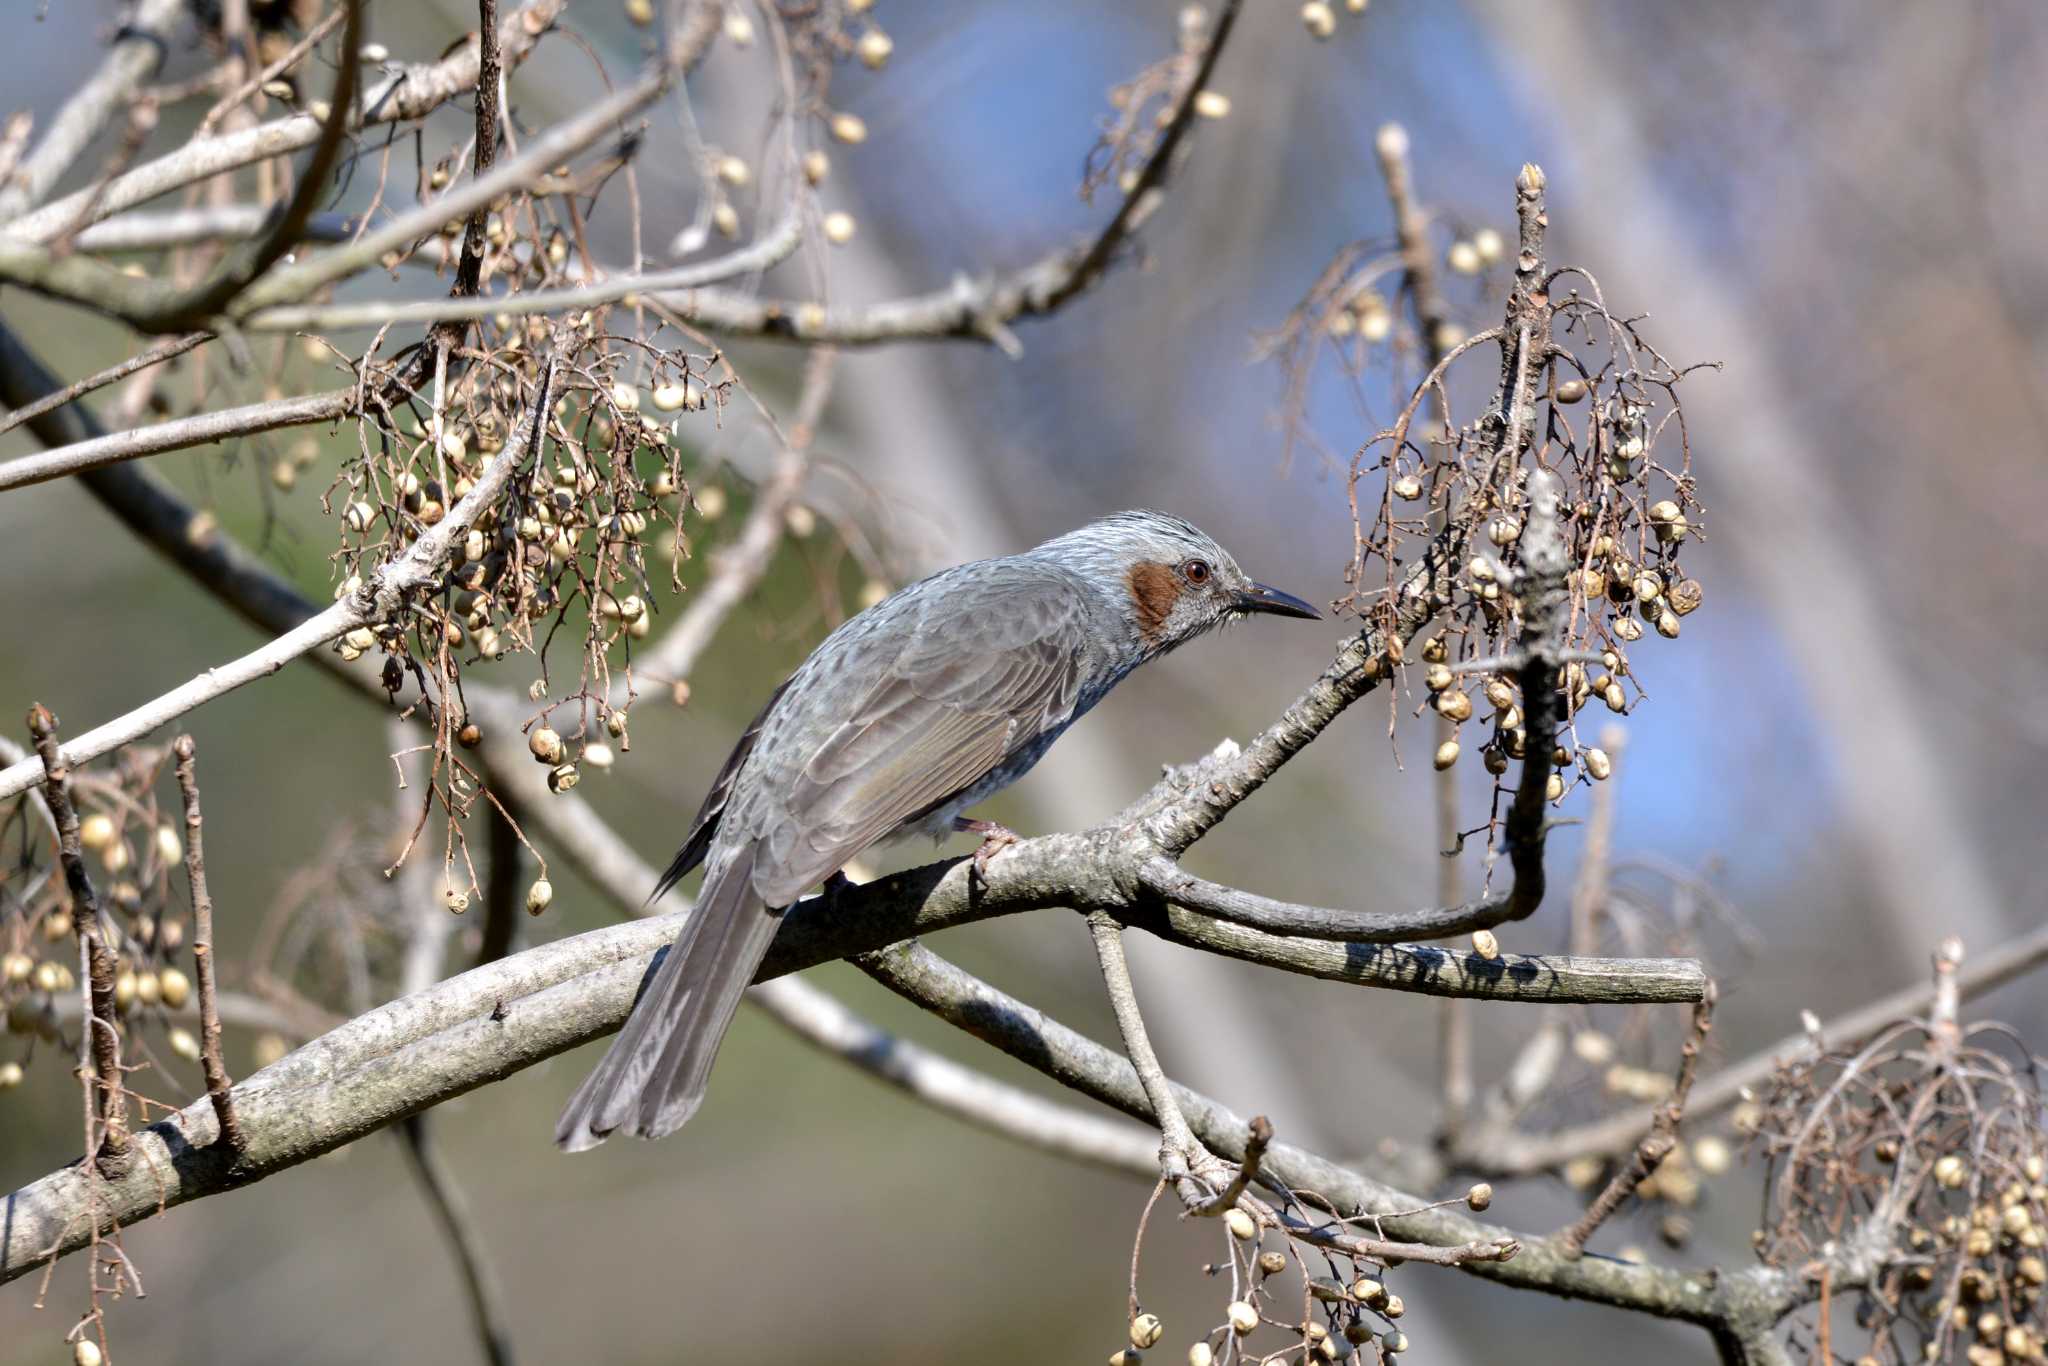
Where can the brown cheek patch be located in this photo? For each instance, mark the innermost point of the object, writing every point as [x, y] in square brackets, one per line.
[1155, 588]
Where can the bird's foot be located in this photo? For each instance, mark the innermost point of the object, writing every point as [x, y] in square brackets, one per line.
[994, 839]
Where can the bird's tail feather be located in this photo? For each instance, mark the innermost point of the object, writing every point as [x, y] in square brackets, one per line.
[652, 1080]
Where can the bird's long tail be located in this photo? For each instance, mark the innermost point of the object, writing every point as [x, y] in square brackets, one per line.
[653, 1079]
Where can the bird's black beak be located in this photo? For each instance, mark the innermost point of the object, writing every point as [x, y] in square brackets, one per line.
[1259, 598]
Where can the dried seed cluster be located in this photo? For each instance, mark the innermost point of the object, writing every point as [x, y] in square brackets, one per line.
[1930, 1141]
[1290, 1298]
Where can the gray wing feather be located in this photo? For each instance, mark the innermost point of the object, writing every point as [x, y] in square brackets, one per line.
[961, 698]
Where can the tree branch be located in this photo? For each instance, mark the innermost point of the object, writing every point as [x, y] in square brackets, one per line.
[201, 429]
[70, 393]
[408, 93]
[377, 601]
[135, 56]
[1741, 1301]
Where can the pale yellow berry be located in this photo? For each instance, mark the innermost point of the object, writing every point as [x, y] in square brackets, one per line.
[1212, 104]
[598, 756]
[1479, 1197]
[1243, 1318]
[1408, 488]
[1241, 1225]
[874, 48]
[539, 896]
[1485, 944]
[850, 129]
[183, 1044]
[1598, 764]
[1146, 1330]
[1201, 1354]
[1319, 18]
[96, 831]
[1463, 258]
[1489, 245]
[10, 1075]
[545, 744]
[839, 227]
[174, 987]
[1446, 755]
[739, 29]
[641, 12]
[86, 1352]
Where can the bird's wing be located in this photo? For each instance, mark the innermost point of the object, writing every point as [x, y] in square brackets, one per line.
[987, 670]
[697, 843]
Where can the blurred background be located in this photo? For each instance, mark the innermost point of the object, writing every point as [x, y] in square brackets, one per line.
[1836, 201]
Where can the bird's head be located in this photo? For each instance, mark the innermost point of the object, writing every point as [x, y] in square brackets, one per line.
[1171, 578]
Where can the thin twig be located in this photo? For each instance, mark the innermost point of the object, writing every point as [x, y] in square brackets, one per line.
[738, 566]
[104, 1081]
[162, 351]
[218, 1084]
[451, 1212]
[1182, 1160]
[1655, 1145]
[200, 429]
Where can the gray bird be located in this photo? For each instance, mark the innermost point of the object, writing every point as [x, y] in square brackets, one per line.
[910, 712]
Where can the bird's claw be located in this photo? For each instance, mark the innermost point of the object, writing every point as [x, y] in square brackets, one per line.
[994, 839]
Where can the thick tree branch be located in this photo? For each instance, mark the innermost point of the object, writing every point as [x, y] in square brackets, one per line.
[497, 1019]
[1745, 1302]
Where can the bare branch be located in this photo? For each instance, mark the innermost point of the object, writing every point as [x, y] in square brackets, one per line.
[135, 56]
[162, 351]
[957, 1090]
[377, 601]
[409, 92]
[1724, 1303]
[1655, 1146]
[100, 1071]
[217, 1081]
[201, 429]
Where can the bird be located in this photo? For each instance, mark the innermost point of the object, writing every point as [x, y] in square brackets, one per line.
[910, 712]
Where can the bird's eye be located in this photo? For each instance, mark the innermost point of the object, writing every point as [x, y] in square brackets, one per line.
[1195, 571]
